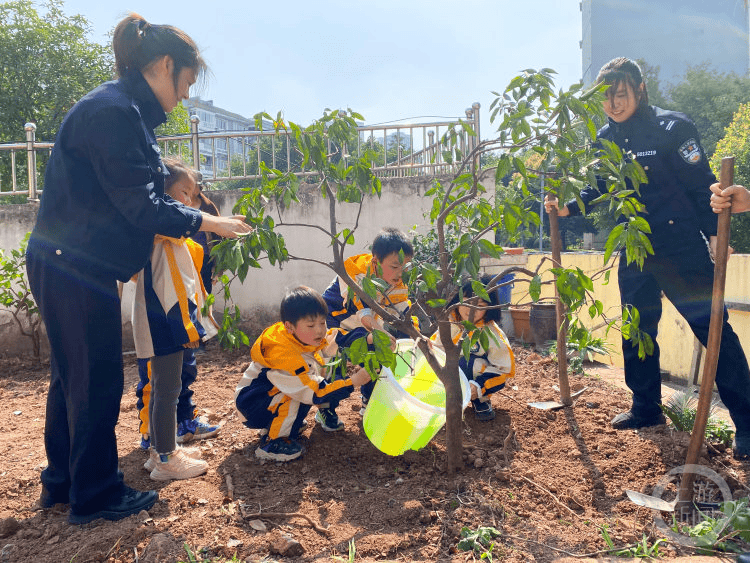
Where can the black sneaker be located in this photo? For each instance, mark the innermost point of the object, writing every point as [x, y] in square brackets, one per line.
[631, 421]
[741, 446]
[280, 449]
[329, 420]
[364, 405]
[48, 500]
[483, 410]
[129, 503]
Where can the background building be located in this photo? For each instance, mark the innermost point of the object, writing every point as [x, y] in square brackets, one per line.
[215, 153]
[670, 34]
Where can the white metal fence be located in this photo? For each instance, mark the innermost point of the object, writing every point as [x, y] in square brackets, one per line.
[400, 150]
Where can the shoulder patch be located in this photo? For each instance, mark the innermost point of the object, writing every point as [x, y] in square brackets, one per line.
[690, 151]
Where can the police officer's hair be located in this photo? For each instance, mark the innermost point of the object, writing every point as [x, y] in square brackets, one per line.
[621, 70]
[391, 240]
[137, 44]
[302, 302]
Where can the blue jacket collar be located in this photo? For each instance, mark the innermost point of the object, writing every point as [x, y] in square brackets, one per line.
[150, 109]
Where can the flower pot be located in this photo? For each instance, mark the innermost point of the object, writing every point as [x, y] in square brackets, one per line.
[543, 322]
[521, 325]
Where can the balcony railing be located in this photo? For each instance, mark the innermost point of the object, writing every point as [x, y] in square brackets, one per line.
[400, 151]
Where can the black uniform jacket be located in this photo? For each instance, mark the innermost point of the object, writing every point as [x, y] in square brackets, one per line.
[677, 195]
[103, 197]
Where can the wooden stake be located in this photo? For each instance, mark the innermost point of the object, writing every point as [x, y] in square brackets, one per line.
[697, 436]
[561, 319]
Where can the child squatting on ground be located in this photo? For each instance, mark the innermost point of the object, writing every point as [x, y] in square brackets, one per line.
[189, 425]
[487, 369]
[167, 320]
[287, 375]
[391, 251]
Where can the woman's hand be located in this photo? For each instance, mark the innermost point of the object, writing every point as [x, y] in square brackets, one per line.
[550, 203]
[736, 197]
[227, 227]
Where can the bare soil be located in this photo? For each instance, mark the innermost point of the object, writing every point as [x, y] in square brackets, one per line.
[546, 479]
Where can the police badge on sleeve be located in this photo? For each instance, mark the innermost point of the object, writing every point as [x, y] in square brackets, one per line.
[690, 151]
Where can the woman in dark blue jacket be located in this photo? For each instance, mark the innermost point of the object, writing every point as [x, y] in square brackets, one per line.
[102, 204]
[677, 207]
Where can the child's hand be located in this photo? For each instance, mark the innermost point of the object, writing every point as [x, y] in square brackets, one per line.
[192, 344]
[361, 377]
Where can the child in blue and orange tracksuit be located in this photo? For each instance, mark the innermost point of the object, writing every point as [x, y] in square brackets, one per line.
[391, 251]
[287, 375]
[487, 369]
[167, 319]
[189, 424]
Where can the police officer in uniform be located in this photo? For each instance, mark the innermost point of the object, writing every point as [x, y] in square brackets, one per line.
[677, 208]
[103, 201]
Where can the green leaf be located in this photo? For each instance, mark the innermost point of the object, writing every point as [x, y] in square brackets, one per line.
[489, 248]
[535, 288]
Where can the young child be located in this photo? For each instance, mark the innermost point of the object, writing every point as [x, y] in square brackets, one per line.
[167, 320]
[287, 375]
[353, 319]
[487, 370]
[189, 425]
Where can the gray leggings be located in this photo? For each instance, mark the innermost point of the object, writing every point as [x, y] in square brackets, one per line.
[162, 409]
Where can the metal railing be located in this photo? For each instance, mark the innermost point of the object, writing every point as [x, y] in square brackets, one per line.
[399, 151]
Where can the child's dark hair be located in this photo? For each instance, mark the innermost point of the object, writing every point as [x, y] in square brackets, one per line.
[620, 70]
[391, 240]
[206, 205]
[137, 43]
[468, 291]
[302, 302]
[178, 171]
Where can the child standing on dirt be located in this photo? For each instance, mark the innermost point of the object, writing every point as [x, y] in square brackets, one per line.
[189, 425]
[167, 320]
[487, 368]
[391, 250]
[287, 375]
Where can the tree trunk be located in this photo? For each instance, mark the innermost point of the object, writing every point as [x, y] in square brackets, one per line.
[453, 414]
[448, 375]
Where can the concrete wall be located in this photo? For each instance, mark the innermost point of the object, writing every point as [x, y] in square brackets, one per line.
[402, 205]
[15, 222]
[677, 343]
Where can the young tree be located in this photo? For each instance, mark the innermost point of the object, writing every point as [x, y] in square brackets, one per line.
[531, 116]
[15, 295]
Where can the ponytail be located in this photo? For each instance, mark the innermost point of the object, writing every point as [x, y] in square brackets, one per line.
[137, 43]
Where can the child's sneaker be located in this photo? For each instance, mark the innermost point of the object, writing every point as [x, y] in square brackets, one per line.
[177, 465]
[153, 457]
[483, 410]
[195, 429]
[280, 449]
[364, 406]
[145, 442]
[329, 420]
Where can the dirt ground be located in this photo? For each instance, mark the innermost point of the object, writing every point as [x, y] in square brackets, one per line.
[547, 488]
